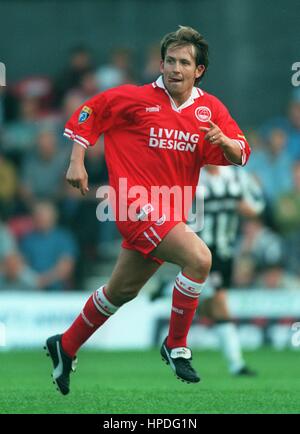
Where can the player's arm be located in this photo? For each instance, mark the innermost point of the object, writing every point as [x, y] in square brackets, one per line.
[77, 175]
[93, 118]
[231, 148]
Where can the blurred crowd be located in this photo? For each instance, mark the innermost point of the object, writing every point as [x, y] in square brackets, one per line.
[49, 235]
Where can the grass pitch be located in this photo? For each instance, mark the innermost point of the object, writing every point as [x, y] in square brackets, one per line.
[139, 382]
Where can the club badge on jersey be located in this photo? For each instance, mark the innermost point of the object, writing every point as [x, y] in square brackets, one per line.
[84, 114]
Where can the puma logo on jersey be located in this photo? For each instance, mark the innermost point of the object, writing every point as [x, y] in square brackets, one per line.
[153, 109]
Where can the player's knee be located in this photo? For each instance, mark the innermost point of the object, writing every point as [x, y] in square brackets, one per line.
[200, 263]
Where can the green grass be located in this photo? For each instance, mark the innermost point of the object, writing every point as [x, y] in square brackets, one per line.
[139, 382]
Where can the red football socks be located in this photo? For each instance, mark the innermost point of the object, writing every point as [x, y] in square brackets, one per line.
[95, 312]
[184, 304]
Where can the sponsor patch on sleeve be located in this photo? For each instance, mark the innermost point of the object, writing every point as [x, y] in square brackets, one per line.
[84, 114]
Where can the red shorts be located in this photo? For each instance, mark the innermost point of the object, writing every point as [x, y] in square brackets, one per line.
[148, 237]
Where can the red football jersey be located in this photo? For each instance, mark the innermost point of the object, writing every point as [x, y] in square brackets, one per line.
[151, 142]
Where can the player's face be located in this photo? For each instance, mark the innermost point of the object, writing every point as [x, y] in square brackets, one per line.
[180, 71]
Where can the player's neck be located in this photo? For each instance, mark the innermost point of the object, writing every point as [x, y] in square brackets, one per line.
[180, 99]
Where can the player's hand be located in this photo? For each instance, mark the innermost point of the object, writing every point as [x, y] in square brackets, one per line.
[78, 177]
[214, 134]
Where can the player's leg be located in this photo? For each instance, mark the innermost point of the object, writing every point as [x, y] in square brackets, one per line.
[182, 247]
[215, 307]
[228, 334]
[130, 274]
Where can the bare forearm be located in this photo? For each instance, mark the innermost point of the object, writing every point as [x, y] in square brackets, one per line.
[232, 151]
[76, 174]
[78, 153]
[231, 148]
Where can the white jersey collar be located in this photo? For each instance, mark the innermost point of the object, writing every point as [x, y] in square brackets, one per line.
[196, 93]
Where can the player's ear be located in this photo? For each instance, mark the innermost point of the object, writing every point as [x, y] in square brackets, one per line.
[161, 66]
[199, 71]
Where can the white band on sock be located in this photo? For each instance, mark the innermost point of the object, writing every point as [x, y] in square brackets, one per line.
[188, 287]
[102, 303]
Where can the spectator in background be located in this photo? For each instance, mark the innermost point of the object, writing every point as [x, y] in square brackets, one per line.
[19, 135]
[88, 86]
[7, 243]
[243, 272]
[152, 65]
[49, 250]
[276, 277]
[80, 61]
[8, 186]
[117, 71]
[42, 171]
[273, 166]
[2, 108]
[16, 275]
[287, 217]
[69, 104]
[290, 124]
[260, 244]
[287, 207]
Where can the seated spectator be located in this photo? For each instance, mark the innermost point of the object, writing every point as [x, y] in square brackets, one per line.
[152, 65]
[88, 86]
[7, 243]
[37, 87]
[49, 250]
[259, 243]
[43, 171]
[287, 217]
[287, 207]
[80, 61]
[243, 272]
[290, 124]
[16, 275]
[117, 71]
[8, 186]
[276, 277]
[2, 107]
[19, 135]
[270, 162]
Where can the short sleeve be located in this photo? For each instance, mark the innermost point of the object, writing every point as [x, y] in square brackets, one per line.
[90, 120]
[214, 154]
